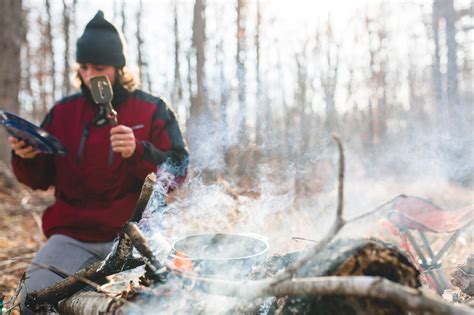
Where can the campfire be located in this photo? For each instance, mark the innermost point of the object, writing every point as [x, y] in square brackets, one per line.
[234, 273]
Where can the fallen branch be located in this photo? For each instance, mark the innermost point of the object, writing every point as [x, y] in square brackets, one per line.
[11, 304]
[360, 286]
[119, 260]
[141, 244]
[338, 225]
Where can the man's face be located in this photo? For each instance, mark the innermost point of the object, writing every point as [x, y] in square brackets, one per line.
[89, 70]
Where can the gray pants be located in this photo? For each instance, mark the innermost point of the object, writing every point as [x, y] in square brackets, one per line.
[66, 254]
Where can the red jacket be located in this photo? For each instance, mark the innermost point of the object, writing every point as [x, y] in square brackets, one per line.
[96, 189]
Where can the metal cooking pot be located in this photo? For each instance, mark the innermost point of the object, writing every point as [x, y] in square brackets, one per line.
[218, 254]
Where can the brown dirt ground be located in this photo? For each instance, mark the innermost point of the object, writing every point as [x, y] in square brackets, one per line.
[20, 233]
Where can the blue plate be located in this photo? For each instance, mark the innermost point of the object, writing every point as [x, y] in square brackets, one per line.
[38, 138]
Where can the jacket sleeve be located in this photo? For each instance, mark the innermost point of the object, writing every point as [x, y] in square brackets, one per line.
[39, 172]
[164, 151]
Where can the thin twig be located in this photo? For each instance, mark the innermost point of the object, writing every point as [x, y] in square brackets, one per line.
[10, 304]
[7, 312]
[93, 284]
[377, 209]
[297, 238]
[338, 224]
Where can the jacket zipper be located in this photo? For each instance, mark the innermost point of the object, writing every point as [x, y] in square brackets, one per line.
[85, 134]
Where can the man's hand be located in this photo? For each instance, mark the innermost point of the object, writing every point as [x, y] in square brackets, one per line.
[122, 139]
[22, 149]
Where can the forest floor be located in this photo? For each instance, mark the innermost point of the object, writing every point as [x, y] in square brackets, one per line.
[21, 236]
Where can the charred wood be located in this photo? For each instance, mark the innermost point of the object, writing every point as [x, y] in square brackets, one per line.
[119, 260]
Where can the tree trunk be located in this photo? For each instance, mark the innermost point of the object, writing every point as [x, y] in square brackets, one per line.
[436, 67]
[178, 86]
[329, 78]
[200, 123]
[452, 46]
[143, 71]
[49, 34]
[241, 71]
[66, 87]
[124, 19]
[12, 36]
[198, 44]
[259, 108]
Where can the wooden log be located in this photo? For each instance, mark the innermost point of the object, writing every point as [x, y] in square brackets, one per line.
[355, 257]
[90, 303]
[120, 259]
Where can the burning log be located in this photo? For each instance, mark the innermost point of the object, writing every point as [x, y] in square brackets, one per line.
[463, 277]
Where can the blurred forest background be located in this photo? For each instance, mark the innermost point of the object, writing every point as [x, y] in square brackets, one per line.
[268, 81]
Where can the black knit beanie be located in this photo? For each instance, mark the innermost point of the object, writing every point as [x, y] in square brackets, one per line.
[101, 43]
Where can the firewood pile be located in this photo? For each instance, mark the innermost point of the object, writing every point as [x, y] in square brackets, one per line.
[333, 276]
[184, 294]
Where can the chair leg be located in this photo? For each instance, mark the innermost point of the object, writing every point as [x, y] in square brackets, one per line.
[435, 277]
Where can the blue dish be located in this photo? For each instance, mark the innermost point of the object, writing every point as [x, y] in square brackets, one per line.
[37, 137]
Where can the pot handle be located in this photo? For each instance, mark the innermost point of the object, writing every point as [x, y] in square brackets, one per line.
[257, 236]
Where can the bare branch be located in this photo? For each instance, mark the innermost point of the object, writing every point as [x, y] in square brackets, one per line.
[338, 224]
[340, 189]
[360, 286]
[11, 304]
[140, 243]
[9, 309]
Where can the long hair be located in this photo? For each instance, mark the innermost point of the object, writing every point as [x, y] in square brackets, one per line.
[124, 78]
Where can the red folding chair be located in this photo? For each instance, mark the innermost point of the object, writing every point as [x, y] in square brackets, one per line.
[411, 214]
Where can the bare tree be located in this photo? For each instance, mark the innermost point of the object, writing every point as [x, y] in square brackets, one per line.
[199, 115]
[49, 34]
[377, 35]
[329, 76]
[12, 36]
[68, 10]
[199, 100]
[143, 71]
[436, 66]
[224, 88]
[241, 70]
[447, 97]
[177, 86]
[452, 46]
[259, 112]
[43, 74]
[124, 18]
[303, 105]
